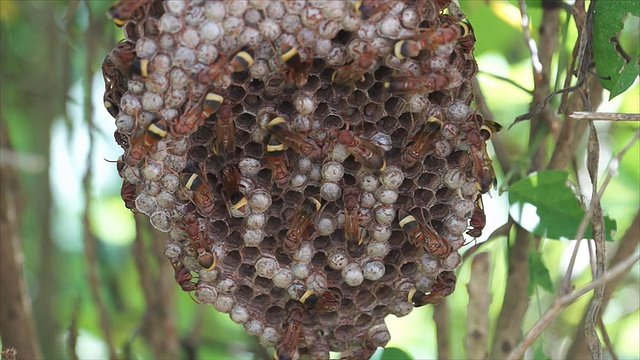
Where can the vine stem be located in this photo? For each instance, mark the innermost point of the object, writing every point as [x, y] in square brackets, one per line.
[585, 220]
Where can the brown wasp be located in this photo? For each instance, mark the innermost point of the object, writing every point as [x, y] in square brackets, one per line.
[277, 160]
[123, 57]
[240, 62]
[295, 70]
[364, 151]
[445, 285]
[423, 235]
[430, 39]
[302, 219]
[279, 128]
[195, 180]
[195, 115]
[183, 278]
[225, 132]
[155, 132]
[482, 164]
[124, 10]
[478, 218]
[409, 84]
[128, 195]
[417, 151]
[329, 301]
[369, 8]
[289, 343]
[206, 259]
[356, 69]
[488, 128]
[467, 38]
[235, 199]
[351, 201]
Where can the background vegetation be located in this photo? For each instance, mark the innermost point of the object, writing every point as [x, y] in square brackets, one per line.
[81, 277]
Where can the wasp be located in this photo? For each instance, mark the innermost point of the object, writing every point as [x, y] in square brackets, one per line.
[110, 105]
[277, 160]
[240, 62]
[295, 71]
[482, 164]
[478, 218]
[291, 335]
[183, 278]
[196, 114]
[424, 235]
[445, 285]
[364, 151]
[367, 9]
[195, 180]
[304, 215]
[279, 128]
[128, 195]
[351, 202]
[120, 58]
[123, 57]
[467, 38]
[235, 199]
[329, 301]
[409, 84]
[225, 132]
[211, 104]
[430, 39]
[488, 128]
[125, 10]
[206, 259]
[154, 133]
[355, 71]
[421, 142]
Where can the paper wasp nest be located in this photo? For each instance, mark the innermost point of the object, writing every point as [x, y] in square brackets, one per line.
[314, 164]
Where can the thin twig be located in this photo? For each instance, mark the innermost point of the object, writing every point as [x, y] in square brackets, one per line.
[72, 337]
[543, 104]
[505, 79]
[585, 115]
[567, 299]
[531, 44]
[605, 336]
[627, 245]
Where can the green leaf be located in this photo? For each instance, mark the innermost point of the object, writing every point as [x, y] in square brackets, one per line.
[616, 73]
[557, 208]
[395, 354]
[538, 274]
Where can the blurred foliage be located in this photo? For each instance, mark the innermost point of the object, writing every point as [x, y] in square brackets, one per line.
[50, 48]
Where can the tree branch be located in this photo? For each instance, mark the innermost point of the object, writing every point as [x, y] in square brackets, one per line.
[565, 300]
[516, 300]
[17, 328]
[443, 334]
[477, 339]
[90, 242]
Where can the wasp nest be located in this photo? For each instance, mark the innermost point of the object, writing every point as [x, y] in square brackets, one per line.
[315, 164]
